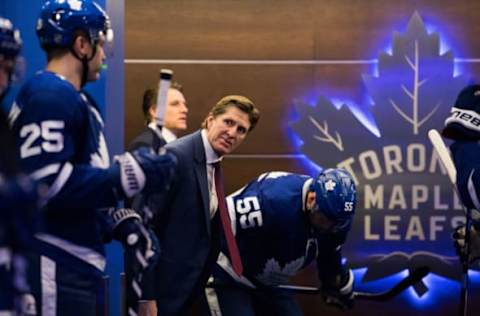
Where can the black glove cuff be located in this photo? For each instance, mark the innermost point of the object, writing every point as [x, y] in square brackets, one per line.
[121, 214]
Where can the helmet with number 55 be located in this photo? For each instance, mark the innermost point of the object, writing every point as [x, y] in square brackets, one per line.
[333, 206]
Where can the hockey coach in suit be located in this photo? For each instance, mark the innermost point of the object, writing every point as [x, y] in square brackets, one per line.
[187, 221]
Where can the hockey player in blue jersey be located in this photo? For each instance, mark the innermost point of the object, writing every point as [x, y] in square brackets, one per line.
[60, 143]
[463, 126]
[282, 222]
[18, 195]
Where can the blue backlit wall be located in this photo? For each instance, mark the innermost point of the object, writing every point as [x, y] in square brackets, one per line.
[407, 208]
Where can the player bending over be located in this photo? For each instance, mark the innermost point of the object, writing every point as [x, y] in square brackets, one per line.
[282, 222]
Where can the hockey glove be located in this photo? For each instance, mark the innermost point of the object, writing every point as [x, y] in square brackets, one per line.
[459, 243]
[340, 293]
[142, 170]
[138, 241]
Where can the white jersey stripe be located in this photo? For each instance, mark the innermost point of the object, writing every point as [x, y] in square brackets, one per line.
[85, 254]
[45, 171]
[49, 286]
[60, 181]
[212, 299]
[224, 262]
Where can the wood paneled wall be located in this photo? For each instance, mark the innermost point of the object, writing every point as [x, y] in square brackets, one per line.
[227, 47]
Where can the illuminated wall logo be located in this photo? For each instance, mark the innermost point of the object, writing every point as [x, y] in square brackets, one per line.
[406, 208]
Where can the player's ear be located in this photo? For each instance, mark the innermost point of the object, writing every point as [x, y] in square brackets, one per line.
[153, 111]
[81, 46]
[311, 195]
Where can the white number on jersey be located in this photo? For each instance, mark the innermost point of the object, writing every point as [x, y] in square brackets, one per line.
[250, 213]
[348, 207]
[48, 131]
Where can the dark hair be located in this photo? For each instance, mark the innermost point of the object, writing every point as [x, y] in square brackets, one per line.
[54, 52]
[240, 102]
[150, 99]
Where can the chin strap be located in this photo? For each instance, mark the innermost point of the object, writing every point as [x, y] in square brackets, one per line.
[85, 60]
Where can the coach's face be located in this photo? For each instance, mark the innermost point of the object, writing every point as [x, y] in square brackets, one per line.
[228, 130]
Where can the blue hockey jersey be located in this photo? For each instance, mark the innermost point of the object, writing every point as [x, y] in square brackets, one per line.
[60, 143]
[273, 233]
[466, 155]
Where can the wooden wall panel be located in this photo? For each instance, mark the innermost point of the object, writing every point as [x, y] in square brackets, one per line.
[273, 88]
[283, 29]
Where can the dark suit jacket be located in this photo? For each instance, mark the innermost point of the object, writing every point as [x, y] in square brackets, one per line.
[189, 239]
[147, 138]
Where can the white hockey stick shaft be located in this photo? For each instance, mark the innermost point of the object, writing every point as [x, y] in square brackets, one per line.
[447, 162]
[163, 87]
[443, 154]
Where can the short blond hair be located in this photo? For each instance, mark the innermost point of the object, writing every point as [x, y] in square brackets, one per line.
[242, 103]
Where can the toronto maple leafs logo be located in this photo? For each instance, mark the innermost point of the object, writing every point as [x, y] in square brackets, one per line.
[406, 204]
[330, 185]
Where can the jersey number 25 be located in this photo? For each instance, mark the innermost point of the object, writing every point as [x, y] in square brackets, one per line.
[52, 139]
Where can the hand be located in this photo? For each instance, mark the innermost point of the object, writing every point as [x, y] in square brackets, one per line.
[144, 170]
[140, 243]
[147, 308]
[340, 297]
[459, 243]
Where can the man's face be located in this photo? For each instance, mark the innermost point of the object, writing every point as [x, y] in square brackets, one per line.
[6, 68]
[176, 111]
[228, 130]
[95, 65]
[317, 219]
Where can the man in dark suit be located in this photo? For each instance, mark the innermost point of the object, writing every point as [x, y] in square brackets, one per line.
[154, 136]
[187, 221]
[176, 112]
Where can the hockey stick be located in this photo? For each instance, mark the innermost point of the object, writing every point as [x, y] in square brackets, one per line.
[447, 162]
[163, 86]
[136, 279]
[413, 278]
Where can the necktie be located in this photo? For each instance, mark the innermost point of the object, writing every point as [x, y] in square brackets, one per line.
[226, 224]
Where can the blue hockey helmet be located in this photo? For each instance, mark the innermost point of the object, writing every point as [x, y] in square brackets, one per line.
[11, 65]
[335, 197]
[60, 20]
[10, 41]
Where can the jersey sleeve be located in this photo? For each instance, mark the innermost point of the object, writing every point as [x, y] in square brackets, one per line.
[468, 176]
[50, 133]
[329, 259]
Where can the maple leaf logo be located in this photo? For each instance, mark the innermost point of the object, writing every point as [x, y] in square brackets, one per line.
[401, 186]
[409, 80]
[273, 274]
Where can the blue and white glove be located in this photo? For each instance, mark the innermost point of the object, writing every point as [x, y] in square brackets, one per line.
[143, 170]
[340, 292]
[140, 244]
[136, 238]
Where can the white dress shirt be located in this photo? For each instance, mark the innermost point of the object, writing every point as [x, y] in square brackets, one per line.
[164, 133]
[211, 157]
